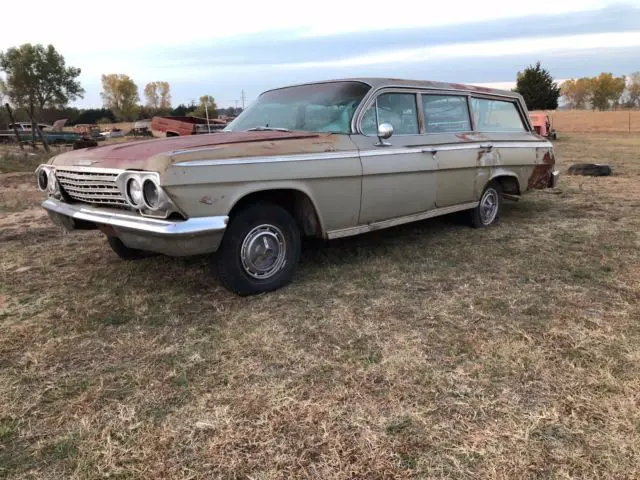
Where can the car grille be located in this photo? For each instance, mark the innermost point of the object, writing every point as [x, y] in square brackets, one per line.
[92, 186]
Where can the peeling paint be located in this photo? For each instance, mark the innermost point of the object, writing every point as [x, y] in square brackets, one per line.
[539, 177]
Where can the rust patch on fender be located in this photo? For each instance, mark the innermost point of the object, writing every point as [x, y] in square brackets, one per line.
[207, 200]
[539, 178]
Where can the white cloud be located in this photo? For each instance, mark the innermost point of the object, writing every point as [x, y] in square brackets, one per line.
[112, 37]
[496, 48]
[117, 24]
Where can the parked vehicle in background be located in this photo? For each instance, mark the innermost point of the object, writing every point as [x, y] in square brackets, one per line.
[542, 124]
[88, 130]
[26, 126]
[141, 128]
[113, 133]
[327, 159]
[174, 126]
[54, 134]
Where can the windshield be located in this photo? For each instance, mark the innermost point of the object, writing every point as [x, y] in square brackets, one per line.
[323, 107]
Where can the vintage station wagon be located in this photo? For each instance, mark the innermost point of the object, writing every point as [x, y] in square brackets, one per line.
[327, 159]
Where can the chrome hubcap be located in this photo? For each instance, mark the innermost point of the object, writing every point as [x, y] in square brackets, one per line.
[263, 251]
[489, 206]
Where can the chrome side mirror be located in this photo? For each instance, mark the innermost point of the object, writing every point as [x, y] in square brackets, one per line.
[385, 130]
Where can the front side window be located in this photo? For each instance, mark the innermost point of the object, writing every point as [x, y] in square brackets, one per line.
[445, 113]
[323, 107]
[397, 109]
[496, 116]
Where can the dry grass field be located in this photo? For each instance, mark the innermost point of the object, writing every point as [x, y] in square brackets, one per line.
[431, 350]
[587, 121]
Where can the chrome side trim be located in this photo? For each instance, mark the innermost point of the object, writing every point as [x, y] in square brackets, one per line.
[137, 223]
[392, 222]
[272, 159]
[379, 151]
[432, 148]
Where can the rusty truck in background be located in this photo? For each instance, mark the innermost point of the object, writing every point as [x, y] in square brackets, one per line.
[174, 126]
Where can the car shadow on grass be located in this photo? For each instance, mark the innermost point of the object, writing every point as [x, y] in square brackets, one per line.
[192, 277]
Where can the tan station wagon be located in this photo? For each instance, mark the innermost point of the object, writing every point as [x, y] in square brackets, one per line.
[327, 159]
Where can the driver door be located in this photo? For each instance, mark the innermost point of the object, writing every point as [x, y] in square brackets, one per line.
[398, 178]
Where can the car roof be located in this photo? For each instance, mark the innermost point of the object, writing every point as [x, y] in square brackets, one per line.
[381, 82]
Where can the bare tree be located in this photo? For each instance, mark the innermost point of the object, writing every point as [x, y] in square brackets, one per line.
[633, 90]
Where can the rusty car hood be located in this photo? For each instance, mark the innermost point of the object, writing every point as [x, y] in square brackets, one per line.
[158, 154]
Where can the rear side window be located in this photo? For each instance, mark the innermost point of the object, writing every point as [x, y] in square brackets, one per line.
[496, 116]
[445, 113]
[397, 109]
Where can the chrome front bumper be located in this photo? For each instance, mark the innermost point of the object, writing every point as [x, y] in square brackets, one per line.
[170, 237]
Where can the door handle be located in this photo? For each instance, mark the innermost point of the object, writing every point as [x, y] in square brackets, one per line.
[486, 146]
[432, 151]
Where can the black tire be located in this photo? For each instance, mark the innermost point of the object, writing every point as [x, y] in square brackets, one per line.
[480, 219]
[590, 169]
[257, 223]
[124, 252]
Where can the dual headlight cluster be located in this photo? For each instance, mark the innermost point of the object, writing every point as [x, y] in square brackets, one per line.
[47, 181]
[142, 191]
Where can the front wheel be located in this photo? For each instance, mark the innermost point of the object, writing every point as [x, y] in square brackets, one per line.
[488, 210]
[259, 250]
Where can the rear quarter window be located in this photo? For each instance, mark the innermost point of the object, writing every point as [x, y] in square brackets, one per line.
[445, 113]
[496, 116]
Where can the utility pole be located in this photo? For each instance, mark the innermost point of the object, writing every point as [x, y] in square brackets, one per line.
[206, 112]
[243, 99]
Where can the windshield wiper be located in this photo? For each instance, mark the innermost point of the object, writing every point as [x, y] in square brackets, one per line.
[267, 129]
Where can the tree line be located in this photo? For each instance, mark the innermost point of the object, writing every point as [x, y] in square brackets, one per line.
[602, 92]
[39, 85]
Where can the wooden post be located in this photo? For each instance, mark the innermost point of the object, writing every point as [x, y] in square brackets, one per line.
[44, 140]
[13, 123]
[34, 128]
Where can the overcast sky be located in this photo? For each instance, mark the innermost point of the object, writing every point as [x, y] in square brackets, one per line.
[221, 48]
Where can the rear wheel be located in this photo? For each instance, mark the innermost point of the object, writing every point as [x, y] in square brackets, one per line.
[259, 251]
[488, 210]
[124, 252]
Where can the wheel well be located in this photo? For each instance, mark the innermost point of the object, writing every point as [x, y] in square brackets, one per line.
[297, 203]
[510, 185]
[172, 134]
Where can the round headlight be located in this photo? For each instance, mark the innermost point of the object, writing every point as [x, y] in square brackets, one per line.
[134, 191]
[43, 179]
[53, 182]
[151, 194]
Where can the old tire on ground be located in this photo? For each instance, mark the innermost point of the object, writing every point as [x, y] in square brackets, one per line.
[590, 169]
[488, 210]
[124, 252]
[259, 250]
